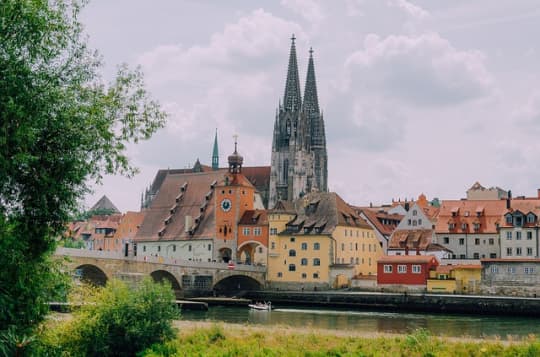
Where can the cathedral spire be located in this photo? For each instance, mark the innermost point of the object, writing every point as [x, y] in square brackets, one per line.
[215, 154]
[292, 99]
[311, 101]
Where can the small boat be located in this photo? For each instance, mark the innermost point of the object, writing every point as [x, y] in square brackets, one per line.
[265, 306]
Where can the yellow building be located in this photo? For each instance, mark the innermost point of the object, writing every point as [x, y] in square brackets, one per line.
[459, 279]
[319, 242]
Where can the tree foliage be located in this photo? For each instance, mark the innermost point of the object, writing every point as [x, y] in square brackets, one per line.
[60, 125]
[113, 321]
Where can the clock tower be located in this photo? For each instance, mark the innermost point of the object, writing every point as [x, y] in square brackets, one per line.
[234, 195]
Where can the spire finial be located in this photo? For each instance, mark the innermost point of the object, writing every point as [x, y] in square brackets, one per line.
[293, 38]
[235, 136]
[311, 51]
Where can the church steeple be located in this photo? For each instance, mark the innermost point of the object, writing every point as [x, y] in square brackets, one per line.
[311, 101]
[292, 99]
[215, 154]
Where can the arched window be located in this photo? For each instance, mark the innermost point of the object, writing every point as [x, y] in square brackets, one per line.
[292, 267]
[292, 253]
[316, 246]
[285, 170]
[304, 246]
[316, 261]
[303, 261]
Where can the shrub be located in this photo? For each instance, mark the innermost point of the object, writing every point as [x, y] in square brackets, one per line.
[114, 321]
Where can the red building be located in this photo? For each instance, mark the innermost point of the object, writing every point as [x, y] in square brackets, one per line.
[405, 269]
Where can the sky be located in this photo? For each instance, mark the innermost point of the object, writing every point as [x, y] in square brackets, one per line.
[423, 96]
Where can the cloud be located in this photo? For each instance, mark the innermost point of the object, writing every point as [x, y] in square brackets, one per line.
[410, 8]
[308, 9]
[528, 115]
[420, 70]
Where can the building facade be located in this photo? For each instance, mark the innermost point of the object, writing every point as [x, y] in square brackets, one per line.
[299, 162]
[512, 277]
[519, 229]
[319, 242]
[470, 228]
[412, 270]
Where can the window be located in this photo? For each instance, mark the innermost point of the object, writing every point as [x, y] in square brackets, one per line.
[409, 222]
[495, 269]
[528, 270]
[246, 231]
[518, 251]
[414, 222]
[316, 246]
[293, 239]
[446, 240]
[493, 255]
[304, 246]
[280, 274]
[529, 235]
[462, 256]
[451, 226]
[345, 232]
[315, 275]
[352, 260]
[292, 253]
[357, 260]
[491, 241]
[304, 275]
[476, 256]
[508, 251]
[159, 248]
[342, 246]
[387, 268]
[419, 221]
[292, 267]
[257, 231]
[509, 218]
[356, 245]
[144, 248]
[476, 241]
[303, 261]
[529, 251]
[260, 250]
[530, 218]
[402, 269]
[511, 270]
[508, 235]
[518, 235]
[273, 231]
[461, 241]
[414, 212]
[273, 245]
[174, 248]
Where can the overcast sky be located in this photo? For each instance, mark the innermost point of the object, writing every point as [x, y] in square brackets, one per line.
[423, 96]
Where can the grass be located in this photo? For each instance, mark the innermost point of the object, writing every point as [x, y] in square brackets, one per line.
[208, 339]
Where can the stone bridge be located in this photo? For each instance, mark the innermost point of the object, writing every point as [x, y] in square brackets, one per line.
[188, 278]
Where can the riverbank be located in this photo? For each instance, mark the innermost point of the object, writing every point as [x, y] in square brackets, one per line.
[412, 302]
[206, 338]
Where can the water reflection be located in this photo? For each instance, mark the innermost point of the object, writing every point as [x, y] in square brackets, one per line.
[370, 321]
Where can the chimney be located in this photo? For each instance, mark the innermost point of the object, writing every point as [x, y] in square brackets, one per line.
[417, 250]
[538, 192]
[406, 250]
[188, 223]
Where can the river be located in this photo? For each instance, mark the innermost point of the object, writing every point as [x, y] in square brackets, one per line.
[474, 326]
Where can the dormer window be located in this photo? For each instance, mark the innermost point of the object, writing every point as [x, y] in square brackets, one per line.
[509, 218]
[476, 227]
[451, 226]
[518, 220]
[531, 218]
[464, 226]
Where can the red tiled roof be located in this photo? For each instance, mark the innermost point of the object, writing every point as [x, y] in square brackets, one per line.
[254, 217]
[466, 213]
[378, 218]
[411, 238]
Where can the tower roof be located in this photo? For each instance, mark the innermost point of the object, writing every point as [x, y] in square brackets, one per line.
[104, 203]
[292, 99]
[215, 154]
[311, 101]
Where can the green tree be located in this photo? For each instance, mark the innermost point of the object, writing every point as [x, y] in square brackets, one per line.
[117, 320]
[60, 126]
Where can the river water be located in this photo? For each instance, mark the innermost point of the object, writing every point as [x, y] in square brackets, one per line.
[475, 326]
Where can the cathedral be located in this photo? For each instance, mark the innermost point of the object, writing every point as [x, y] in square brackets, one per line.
[299, 160]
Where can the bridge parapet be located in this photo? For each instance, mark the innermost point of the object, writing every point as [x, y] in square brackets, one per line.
[98, 254]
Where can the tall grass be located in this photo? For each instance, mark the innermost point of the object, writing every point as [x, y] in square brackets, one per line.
[246, 341]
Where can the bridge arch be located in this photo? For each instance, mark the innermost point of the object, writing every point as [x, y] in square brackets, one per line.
[91, 274]
[163, 275]
[235, 285]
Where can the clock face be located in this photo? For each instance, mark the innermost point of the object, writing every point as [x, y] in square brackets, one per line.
[226, 205]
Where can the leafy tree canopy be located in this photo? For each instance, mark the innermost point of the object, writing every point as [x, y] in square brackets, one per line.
[60, 125]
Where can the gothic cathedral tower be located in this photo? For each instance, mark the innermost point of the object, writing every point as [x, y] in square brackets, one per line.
[299, 159]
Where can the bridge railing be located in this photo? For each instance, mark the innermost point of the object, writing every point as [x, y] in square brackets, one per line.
[99, 254]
